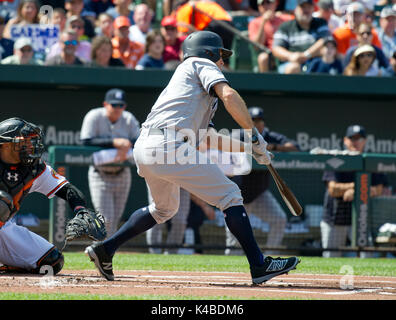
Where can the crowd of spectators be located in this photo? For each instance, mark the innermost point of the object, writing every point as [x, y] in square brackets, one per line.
[301, 36]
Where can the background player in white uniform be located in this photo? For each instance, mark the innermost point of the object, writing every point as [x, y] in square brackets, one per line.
[22, 172]
[175, 234]
[171, 129]
[110, 126]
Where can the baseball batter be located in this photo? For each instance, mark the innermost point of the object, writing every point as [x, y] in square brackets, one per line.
[23, 172]
[110, 126]
[166, 156]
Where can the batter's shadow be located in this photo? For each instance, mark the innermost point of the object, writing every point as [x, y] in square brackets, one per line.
[272, 285]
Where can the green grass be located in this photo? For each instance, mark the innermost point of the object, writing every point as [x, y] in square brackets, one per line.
[310, 265]
[64, 296]
[139, 261]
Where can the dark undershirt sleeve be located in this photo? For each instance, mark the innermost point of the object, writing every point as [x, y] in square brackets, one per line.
[99, 142]
[72, 195]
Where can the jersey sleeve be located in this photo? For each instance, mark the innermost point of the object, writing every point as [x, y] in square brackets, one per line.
[208, 73]
[88, 127]
[134, 128]
[379, 178]
[328, 176]
[48, 183]
[323, 29]
[281, 37]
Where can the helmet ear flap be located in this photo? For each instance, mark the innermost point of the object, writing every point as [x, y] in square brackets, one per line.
[209, 53]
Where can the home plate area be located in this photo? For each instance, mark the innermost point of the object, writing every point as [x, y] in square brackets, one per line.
[205, 284]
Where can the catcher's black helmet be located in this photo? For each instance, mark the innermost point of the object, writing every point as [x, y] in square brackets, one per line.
[16, 130]
[256, 113]
[205, 44]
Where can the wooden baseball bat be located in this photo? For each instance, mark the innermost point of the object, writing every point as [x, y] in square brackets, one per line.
[287, 195]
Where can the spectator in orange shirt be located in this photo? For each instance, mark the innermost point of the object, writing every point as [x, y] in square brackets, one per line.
[345, 36]
[197, 15]
[262, 29]
[128, 51]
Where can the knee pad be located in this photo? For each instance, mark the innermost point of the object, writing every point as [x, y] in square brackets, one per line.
[53, 258]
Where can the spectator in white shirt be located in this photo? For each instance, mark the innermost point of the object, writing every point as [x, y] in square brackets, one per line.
[142, 16]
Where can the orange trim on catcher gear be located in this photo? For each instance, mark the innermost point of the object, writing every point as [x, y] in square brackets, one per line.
[18, 196]
[57, 188]
[45, 255]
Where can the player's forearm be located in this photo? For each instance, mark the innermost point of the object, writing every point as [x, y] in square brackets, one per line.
[281, 53]
[99, 142]
[314, 50]
[376, 191]
[235, 106]
[337, 189]
[72, 195]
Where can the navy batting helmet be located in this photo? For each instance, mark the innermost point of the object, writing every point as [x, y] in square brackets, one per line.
[205, 44]
[256, 112]
[16, 130]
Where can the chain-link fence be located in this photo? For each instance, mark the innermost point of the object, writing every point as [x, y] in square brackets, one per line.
[363, 223]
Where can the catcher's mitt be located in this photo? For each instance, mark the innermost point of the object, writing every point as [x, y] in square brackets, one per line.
[86, 223]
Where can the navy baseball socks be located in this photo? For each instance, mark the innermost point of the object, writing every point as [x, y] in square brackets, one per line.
[238, 222]
[101, 253]
[262, 268]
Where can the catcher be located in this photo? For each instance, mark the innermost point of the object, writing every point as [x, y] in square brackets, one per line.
[22, 172]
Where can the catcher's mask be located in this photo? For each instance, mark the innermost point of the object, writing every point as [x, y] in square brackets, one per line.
[26, 138]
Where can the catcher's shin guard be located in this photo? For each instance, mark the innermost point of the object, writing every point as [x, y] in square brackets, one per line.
[10, 269]
[53, 258]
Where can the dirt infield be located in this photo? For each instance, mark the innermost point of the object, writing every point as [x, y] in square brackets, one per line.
[206, 284]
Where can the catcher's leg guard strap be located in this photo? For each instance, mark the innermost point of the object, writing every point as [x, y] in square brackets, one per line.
[53, 258]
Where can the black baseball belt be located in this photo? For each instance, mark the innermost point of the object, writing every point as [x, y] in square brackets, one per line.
[110, 173]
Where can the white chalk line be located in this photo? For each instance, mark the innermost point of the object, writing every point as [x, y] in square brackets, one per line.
[264, 289]
[38, 281]
[244, 279]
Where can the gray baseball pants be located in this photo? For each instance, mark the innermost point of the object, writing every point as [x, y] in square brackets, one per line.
[175, 235]
[109, 194]
[165, 178]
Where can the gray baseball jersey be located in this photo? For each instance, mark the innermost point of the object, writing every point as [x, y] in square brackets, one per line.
[188, 101]
[109, 185]
[96, 124]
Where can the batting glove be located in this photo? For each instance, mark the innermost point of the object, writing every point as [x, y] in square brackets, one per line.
[259, 148]
[263, 158]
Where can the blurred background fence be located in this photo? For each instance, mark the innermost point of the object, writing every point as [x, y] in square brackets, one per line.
[302, 171]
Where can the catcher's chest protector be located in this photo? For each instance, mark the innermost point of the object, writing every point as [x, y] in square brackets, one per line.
[17, 180]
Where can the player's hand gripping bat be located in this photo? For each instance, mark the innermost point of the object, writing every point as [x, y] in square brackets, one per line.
[287, 195]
